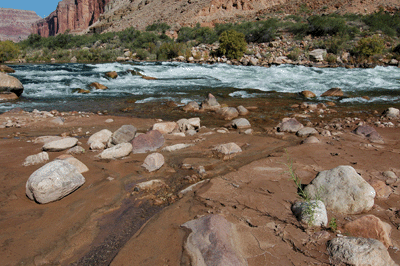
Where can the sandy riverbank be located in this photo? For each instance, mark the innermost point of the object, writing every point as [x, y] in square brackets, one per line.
[105, 221]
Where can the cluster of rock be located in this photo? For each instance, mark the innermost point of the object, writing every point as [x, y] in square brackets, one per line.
[278, 52]
[49, 183]
[343, 191]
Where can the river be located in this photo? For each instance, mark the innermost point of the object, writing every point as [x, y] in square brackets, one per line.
[54, 86]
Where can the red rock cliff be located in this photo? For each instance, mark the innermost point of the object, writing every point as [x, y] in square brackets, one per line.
[74, 15]
[15, 25]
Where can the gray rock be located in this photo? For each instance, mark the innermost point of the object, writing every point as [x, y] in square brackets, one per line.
[212, 242]
[176, 147]
[188, 124]
[153, 162]
[342, 190]
[148, 142]
[306, 131]
[227, 151]
[99, 140]
[36, 159]
[53, 181]
[228, 113]
[311, 140]
[390, 174]
[242, 110]
[191, 107]
[191, 132]
[150, 185]
[210, 103]
[76, 150]
[370, 133]
[165, 127]
[10, 84]
[117, 151]
[392, 112]
[60, 145]
[81, 167]
[358, 251]
[58, 121]
[46, 139]
[125, 133]
[317, 55]
[289, 125]
[239, 123]
[312, 213]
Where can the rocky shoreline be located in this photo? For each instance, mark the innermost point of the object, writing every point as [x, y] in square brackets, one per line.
[216, 167]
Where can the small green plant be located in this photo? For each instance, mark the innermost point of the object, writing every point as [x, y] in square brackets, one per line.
[294, 54]
[333, 224]
[310, 202]
[369, 46]
[232, 44]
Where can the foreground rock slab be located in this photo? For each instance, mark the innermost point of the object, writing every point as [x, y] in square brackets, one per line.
[358, 251]
[148, 142]
[60, 145]
[342, 190]
[211, 242]
[53, 181]
[370, 226]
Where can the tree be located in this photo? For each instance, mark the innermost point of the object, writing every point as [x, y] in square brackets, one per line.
[232, 44]
[8, 51]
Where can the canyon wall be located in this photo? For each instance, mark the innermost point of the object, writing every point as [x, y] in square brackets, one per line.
[73, 15]
[15, 25]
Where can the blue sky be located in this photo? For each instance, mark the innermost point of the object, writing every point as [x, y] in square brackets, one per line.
[42, 7]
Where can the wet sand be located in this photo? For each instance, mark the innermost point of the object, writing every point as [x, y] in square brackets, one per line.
[106, 222]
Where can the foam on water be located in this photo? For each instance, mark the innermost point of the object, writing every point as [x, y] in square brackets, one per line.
[51, 83]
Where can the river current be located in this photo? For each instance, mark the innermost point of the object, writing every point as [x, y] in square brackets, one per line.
[54, 86]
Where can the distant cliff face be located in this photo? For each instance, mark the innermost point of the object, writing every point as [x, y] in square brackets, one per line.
[15, 25]
[74, 15]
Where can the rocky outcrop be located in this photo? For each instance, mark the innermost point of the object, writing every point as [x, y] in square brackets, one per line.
[15, 25]
[74, 15]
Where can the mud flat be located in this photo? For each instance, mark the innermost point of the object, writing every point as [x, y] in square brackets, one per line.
[112, 219]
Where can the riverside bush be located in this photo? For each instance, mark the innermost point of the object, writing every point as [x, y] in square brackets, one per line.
[158, 27]
[369, 46]
[198, 34]
[232, 44]
[385, 22]
[8, 51]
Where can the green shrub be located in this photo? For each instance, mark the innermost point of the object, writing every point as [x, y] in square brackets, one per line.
[385, 22]
[294, 54]
[198, 34]
[171, 50]
[369, 46]
[337, 44]
[8, 51]
[158, 27]
[232, 44]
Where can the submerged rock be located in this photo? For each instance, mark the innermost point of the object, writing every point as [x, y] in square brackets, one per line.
[53, 181]
[333, 92]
